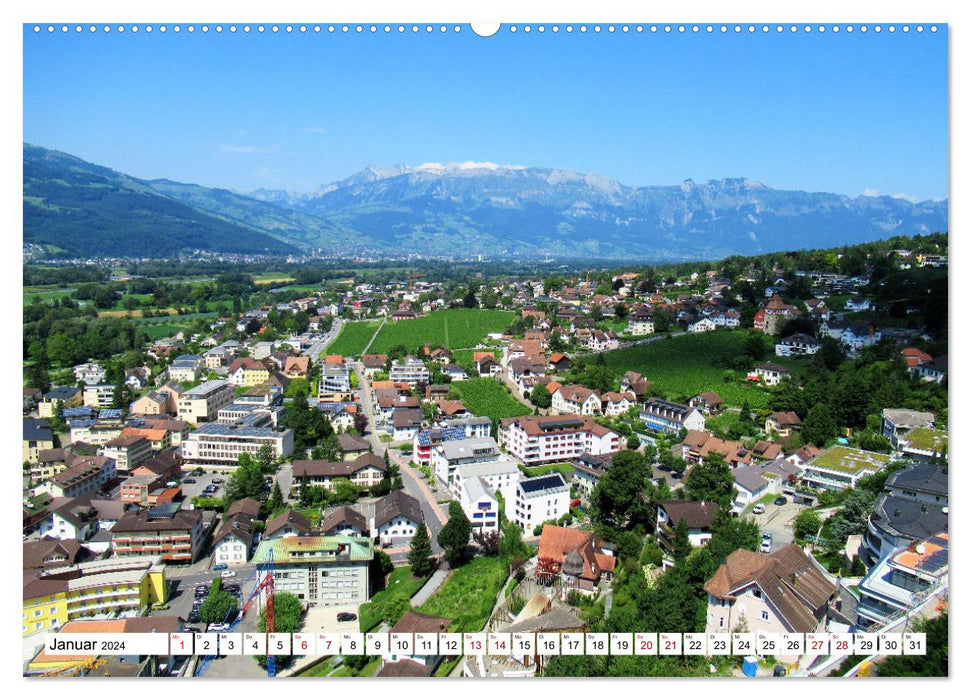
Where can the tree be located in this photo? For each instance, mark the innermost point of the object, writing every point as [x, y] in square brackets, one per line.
[932, 665]
[616, 500]
[830, 353]
[288, 612]
[469, 300]
[511, 544]
[807, 522]
[633, 442]
[219, 605]
[246, 481]
[394, 607]
[489, 541]
[712, 480]
[264, 458]
[380, 568]
[275, 502]
[540, 396]
[345, 491]
[454, 536]
[420, 556]
[820, 424]
[682, 544]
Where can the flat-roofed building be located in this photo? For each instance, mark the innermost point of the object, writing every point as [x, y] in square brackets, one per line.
[538, 500]
[321, 571]
[540, 439]
[169, 531]
[218, 446]
[202, 403]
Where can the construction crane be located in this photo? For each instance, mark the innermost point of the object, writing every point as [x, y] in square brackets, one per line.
[263, 584]
[76, 669]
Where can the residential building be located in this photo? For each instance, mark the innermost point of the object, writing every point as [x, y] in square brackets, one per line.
[54, 596]
[576, 399]
[451, 453]
[581, 558]
[698, 516]
[247, 371]
[396, 519]
[128, 451]
[57, 399]
[84, 475]
[894, 422]
[500, 474]
[90, 373]
[99, 395]
[37, 437]
[617, 403]
[902, 580]
[177, 535]
[186, 368]
[786, 591]
[640, 322]
[202, 403]
[635, 383]
[320, 571]
[924, 445]
[344, 521]
[932, 371]
[912, 507]
[297, 367]
[853, 335]
[427, 441]
[233, 541]
[479, 502]
[156, 403]
[588, 470]
[417, 664]
[770, 373]
[754, 481]
[698, 444]
[782, 423]
[541, 439]
[335, 383]
[373, 364]
[410, 371]
[708, 402]
[291, 523]
[841, 467]
[218, 446]
[669, 417]
[539, 499]
[797, 345]
[365, 471]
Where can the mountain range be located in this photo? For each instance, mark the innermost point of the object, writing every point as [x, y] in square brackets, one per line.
[77, 208]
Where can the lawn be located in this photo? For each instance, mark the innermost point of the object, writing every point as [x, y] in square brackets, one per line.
[485, 396]
[154, 331]
[353, 338]
[469, 594]
[401, 582]
[453, 328]
[690, 364]
[565, 469]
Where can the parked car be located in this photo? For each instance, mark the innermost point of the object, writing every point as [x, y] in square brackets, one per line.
[758, 509]
[193, 616]
[766, 545]
[217, 627]
[220, 567]
[780, 501]
[188, 480]
[227, 574]
[346, 617]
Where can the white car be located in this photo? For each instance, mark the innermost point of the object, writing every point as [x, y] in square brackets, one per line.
[766, 546]
[758, 509]
[227, 574]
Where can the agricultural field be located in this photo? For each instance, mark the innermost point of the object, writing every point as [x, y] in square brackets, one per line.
[485, 396]
[45, 294]
[689, 364]
[469, 594]
[453, 328]
[353, 338]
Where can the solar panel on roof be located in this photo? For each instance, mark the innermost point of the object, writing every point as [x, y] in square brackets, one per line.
[540, 483]
[166, 510]
[110, 413]
[935, 562]
[938, 540]
[73, 412]
[81, 423]
[557, 424]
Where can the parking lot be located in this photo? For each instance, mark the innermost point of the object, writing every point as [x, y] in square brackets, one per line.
[777, 521]
[192, 490]
[325, 620]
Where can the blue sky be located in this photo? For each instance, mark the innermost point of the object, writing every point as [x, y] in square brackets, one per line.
[821, 112]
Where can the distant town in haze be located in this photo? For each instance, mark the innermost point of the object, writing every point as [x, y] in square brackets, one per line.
[530, 407]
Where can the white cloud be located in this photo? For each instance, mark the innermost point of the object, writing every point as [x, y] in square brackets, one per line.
[233, 148]
[869, 192]
[468, 165]
[265, 173]
[903, 195]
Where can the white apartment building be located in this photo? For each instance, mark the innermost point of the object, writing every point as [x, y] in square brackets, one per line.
[99, 395]
[218, 446]
[539, 499]
[411, 371]
[202, 403]
[540, 439]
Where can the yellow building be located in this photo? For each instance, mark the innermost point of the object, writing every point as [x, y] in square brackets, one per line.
[113, 587]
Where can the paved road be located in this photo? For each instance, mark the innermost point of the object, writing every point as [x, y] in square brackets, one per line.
[431, 585]
[776, 520]
[284, 477]
[318, 348]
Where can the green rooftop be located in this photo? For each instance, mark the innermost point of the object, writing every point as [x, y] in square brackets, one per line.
[850, 460]
[927, 439]
[296, 550]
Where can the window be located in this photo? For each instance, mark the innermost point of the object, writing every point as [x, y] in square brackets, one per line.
[764, 615]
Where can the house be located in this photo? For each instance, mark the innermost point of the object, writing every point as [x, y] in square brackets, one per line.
[640, 322]
[98, 395]
[456, 449]
[769, 373]
[37, 436]
[247, 371]
[479, 503]
[841, 467]
[455, 373]
[782, 423]
[709, 403]
[538, 500]
[924, 445]
[418, 664]
[543, 439]
[83, 475]
[698, 444]
[636, 384]
[70, 519]
[588, 470]
[203, 402]
[233, 541]
[894, 422]
[373, 364]
[669, 417]
[289, 523]
[912, 506]
[933, 371]
[698, 516]
[915, 357]
[320, 571]
[344, 521]
[576, 399]
[364, 472]
[185, 368]
[804, 454]
[396, 518]
[775, 314]
[785, 591]
[581, 558]
[498, 473]
[137, 378]
[598, 341]
[857, 304]
[902, 580]
[353, 446]
[164, 400]
[406, 423]
[854, 335]
[261, 350]
[128, 451]
[558, 363]
[618, 403]
[297, 367]
[90, 373]
[753, 481]
[701, 325]
[487, 366]
[437, 392]
[766, 451]
[797, 345]
[174, 533]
